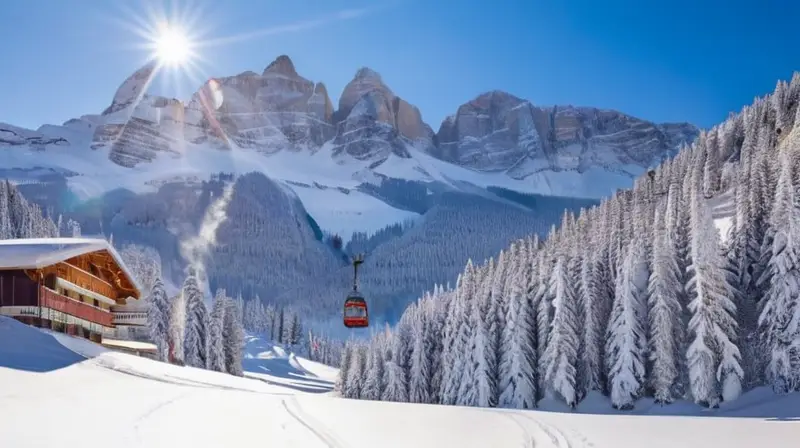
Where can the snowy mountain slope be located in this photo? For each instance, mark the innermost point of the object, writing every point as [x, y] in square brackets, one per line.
[152, 404]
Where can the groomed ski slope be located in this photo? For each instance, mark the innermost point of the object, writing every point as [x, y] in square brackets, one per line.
[59, 391]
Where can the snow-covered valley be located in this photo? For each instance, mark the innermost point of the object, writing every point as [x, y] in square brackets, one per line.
[58, 390]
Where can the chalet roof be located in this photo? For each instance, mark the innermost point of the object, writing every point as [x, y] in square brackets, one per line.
[37, 253]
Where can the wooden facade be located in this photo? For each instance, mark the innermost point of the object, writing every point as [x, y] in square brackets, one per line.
[76, 295]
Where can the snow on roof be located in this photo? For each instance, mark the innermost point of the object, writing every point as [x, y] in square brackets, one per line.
[134, 345]
[36, 253]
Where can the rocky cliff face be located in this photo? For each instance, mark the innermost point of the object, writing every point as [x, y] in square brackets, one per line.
[276, 110]
[500, 132]
[281, 110]
[373, 122]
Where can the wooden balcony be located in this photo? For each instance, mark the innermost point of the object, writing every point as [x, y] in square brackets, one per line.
[72, 307]
[135, 318]
[85, 280]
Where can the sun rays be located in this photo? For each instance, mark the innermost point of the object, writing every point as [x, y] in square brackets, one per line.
[172, 47]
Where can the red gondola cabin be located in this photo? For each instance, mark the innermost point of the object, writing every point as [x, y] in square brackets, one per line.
[355, 311]
[355, 307]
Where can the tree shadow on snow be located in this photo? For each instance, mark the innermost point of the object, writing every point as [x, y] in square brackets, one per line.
[280, 368]
[295, 386]
[759, 403]
[26, 348]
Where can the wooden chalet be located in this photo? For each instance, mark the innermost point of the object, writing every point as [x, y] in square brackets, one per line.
[76, 285]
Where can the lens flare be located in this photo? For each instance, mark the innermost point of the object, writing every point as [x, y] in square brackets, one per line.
[172, 46]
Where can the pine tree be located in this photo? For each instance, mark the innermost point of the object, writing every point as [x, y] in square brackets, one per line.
[289, 329]
[467, 291]
[344, 369]
[216, 343]
[484, 352]
[419, 382]
[517, 381]
[561, 356]
[233, 337]
[373, 383]
[355, 374]
[280, 332]
[396, 387]
[435, 341]
[177, 327]
[496, 318]
[626, 341]
[457, 337]
[158, 317]
[195, 349]
[712, 355]
[665, 314]
[590, 354]
[543, 302]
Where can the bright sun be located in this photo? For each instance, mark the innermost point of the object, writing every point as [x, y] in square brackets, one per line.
[172, 47]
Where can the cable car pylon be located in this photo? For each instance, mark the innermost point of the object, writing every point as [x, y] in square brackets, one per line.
[355, 307]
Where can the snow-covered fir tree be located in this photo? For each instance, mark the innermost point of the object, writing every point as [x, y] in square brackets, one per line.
[419, 378]
[665, 313]
[561, 355]
[158, 318]
[712, 356]
[177, 327]
[517, 380]
[216, 324]
[354, 383]
[233, 337]
[344, 368]
[373, 381]
[195, 351]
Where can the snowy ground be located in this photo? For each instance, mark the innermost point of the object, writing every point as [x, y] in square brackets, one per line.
[59, 391]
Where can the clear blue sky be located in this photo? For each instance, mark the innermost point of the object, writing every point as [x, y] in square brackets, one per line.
[664, 61]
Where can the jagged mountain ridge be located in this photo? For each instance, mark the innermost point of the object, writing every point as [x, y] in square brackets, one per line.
[280, 110]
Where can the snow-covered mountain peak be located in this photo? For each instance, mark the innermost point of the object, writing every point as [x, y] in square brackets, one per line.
[132, 88]
[281, 65]
[498, 131]
[365, 81]
[368, 73]
[373, 122]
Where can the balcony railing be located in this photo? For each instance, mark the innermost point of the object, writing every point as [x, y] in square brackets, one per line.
[85, 280]
[137, 318]
[72, 307]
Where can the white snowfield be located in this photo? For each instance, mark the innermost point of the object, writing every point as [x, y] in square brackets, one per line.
[56, 390]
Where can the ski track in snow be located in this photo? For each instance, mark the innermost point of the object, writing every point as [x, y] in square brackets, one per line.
[557, 434]
[149, 413]
[311, 424]
[530, 439]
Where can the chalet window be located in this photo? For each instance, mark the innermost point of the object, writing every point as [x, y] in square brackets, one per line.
[96, 303]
